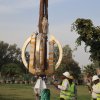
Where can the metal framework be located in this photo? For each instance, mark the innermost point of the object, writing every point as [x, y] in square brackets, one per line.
[38, 63]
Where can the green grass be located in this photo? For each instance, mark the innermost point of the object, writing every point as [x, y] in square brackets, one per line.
[16, 92]
[83, 93]
[25, 92]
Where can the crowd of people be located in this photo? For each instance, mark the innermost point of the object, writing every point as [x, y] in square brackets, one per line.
[68, 88]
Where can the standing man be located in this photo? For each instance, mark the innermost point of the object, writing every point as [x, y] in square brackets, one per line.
[96, 88]
[72, 89]
[39, 87]
[64, 95]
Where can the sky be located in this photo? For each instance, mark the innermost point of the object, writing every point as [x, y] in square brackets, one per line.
[19, 19]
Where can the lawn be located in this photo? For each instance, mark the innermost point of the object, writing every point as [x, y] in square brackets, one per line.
[25, 92]
[83, 93]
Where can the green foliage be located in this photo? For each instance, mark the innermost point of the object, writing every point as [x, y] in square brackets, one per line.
[68, 64]
[56, 54]
[90, 35]
[9, 53]
[89, 70]
[11, 69]
[84, 28]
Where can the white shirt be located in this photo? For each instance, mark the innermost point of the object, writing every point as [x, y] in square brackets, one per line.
[39, 86]
[94, 95]
[65, 85]
[96, 89]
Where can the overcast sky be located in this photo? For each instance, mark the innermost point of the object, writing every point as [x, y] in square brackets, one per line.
[19, 18]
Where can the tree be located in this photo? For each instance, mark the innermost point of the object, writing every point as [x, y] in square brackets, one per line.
[89, 70]
[90, 35]
[9, 53]
[11, 69]
[3, 52]
[68, 64]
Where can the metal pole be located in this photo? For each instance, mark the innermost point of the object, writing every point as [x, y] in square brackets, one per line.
[43, 13]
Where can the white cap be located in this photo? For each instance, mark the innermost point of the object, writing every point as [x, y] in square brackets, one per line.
[67, 74]
[95, 77]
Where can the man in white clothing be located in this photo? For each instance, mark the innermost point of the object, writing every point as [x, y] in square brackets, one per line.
[95, 89]
[94, 95]
[39, 86]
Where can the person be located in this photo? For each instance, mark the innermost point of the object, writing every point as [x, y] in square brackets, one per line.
[64, 87]
[96, 88]
[39, 86]
[72, 89]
